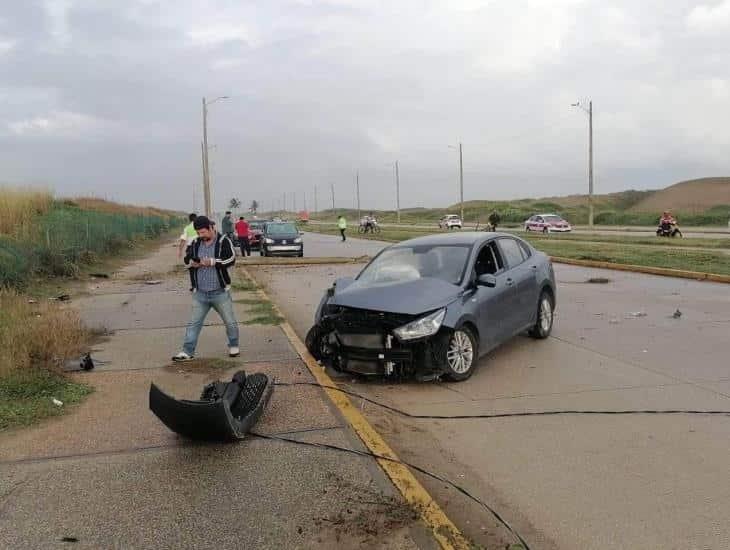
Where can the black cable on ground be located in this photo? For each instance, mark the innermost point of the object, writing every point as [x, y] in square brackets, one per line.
[423, 471]
[501, 415]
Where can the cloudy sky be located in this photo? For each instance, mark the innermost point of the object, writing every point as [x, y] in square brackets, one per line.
[103, 97]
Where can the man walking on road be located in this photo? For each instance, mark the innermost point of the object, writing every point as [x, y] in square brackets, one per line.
[342, 225]
[209, 257]
[188, 236]
[227, 225]
[242, 231]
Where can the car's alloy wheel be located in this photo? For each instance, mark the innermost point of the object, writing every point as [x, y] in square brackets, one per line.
[545, 316]
[461, 354]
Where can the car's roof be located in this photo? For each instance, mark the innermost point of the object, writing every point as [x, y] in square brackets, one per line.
[465, 238]
[451, 216]
[543, 215]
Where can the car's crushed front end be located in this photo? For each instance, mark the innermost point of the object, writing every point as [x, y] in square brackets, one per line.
[378, 343]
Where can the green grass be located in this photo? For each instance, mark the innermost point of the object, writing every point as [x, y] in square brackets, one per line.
[244, 285]
[665, 253]
[25, 396]
[263, 313]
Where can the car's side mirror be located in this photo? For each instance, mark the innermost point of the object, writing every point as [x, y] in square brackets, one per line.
[487, 280]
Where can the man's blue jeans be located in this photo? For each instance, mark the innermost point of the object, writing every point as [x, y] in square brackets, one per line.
[219, 300]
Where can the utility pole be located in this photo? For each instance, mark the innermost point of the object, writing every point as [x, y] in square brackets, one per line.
[461, 183]
[589, 112]
[590, 163]
[304, 193]
[206, 174]
[315, 199]
[332, 185]
[397, 192]
[202, 157]
[357, 189]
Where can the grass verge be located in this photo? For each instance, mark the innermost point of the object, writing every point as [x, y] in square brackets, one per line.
[674, 254]
[262, 310]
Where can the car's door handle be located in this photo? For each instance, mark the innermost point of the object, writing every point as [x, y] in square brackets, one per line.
[534, 267]
[509, 282]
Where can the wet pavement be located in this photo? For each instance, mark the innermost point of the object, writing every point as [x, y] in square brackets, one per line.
[643, 481]
[108, 474]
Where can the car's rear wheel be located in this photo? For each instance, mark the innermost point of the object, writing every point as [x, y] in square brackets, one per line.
[462, 353]
[545, 315]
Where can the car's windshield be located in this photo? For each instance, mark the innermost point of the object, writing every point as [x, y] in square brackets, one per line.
[258, 226]
[281, 229]
[407, 263]
[553, 219]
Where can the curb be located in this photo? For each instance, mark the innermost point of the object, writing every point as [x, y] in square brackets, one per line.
[662, 271]
[301, 261]
[442, 528]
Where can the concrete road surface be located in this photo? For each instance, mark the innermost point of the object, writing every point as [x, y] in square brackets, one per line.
[575, 482]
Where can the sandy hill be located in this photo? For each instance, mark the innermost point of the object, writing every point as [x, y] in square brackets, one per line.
[693, 196]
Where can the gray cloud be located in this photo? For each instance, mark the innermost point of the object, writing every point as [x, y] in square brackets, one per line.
[104, 97]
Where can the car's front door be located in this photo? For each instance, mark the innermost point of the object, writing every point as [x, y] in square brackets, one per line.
[523, 276]
[495, 306]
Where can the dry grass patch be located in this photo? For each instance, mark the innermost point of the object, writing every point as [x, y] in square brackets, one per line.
[19, 209]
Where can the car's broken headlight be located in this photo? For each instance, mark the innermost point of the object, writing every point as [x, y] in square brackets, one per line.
[420, 328]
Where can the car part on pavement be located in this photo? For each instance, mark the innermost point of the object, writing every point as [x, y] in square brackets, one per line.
[226, 411]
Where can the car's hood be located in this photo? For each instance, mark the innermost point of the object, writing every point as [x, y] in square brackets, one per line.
[409, 297]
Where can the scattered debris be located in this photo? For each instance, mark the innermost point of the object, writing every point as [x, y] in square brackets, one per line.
[677, 314]
[99, 275]
[153, 282]
[31, 301]
[87, 363]
[598, 280]
[69, 539]
[226, 411]
[56, 402]
[62, 298]
[637, 314]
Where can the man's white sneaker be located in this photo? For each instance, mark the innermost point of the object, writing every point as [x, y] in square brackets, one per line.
[182, 356]
[234, 352]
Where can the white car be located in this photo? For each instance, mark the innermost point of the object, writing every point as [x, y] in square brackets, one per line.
[450, 221]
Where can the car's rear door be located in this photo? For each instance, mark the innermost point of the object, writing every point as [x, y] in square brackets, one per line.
[523, 277]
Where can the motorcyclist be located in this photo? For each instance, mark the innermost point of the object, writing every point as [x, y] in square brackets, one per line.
[370, 223]
[667, 225]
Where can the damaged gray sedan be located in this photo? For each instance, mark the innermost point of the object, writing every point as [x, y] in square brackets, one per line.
[430, 307]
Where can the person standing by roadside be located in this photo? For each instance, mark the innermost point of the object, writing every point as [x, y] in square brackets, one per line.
[342, 226]
[209, 257]
[243, 233]
[227, 225]
[494, 220]
[188, 236]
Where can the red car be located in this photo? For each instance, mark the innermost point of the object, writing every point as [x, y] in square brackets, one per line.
[256, 229]
[547, 223]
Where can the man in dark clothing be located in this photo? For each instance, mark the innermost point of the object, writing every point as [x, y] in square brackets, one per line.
[209, 258]
[243, 232]
[227, 225]
[494, 219]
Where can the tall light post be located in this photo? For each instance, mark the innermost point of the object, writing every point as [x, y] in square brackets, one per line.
[397, 192]
[332, 188]
[206, 165]
[461, 180]
[589, 112]
[315, 200]
[357, 191]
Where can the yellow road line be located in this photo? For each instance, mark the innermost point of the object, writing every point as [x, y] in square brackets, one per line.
[444, 531]
[663, 271]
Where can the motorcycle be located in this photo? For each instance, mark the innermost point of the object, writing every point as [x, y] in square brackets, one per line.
[667, 229]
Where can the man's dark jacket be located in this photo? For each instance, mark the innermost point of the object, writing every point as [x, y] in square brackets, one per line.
[225, 257]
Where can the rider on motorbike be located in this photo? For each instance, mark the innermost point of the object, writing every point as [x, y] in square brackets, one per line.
[667, 225]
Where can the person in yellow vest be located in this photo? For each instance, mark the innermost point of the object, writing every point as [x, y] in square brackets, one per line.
[342, 225]
[188, 236]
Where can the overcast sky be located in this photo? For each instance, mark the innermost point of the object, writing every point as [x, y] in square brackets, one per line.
[104, 97]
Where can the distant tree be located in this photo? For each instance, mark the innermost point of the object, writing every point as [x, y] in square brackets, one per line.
[254, 206]
[234, 204]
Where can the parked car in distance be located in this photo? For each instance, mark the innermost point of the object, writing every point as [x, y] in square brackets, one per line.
[450, 221]
[256, 229]
[430, 307]
[547, 223]
[282, 239]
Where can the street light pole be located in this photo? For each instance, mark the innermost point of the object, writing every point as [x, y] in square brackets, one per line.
[206, 177]
[589, 112]
[205, 172]
[357, 188]
[315, 199]
[397, 191]
[332, 185]
[461, 182]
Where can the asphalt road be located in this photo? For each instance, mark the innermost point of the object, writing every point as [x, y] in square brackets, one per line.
[641, 481]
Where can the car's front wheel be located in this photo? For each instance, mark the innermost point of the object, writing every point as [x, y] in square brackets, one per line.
[462, 354]
[545, 315]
